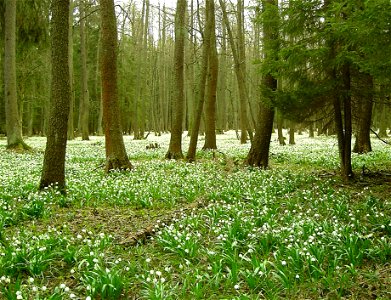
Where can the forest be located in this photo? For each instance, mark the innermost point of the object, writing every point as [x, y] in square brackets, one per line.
[195, 149]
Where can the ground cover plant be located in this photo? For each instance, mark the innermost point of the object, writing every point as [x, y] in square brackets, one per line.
[207, 230]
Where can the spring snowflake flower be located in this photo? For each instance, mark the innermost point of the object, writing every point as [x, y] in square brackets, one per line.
[44, 288]
[283, 263]
[148, 260]
[31, 280]
[63, 286]
[236, 287]
[88, 298]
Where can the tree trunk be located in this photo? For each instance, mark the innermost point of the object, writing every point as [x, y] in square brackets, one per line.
[259, 152]
[239, 71]
[201, 93]
[175, 147]
[116, 157]
[364, 113]
[85, 97]
[281, 138]
[71, 129]
[210, 105]
[13, 122]
[53, 170]
[292, 133]
[344, 123]
[383, 108]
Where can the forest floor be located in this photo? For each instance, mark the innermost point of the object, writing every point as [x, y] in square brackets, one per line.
[213, 229]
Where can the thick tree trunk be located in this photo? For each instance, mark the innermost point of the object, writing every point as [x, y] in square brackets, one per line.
[13, 122]
[210, 105]
[116, 157]
[364, 113]
[53, 170]
[175, 147]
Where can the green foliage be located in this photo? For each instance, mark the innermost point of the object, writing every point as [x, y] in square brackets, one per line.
[280, 233]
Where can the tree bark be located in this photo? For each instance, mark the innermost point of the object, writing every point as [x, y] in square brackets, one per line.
[239, 71]
[13, 122]
[210, 105]
[259, 152]
[175, 147]
[85, 96]
[53, 170]
[191, 153]
[364, 112]
[116, 157]
[71, 129]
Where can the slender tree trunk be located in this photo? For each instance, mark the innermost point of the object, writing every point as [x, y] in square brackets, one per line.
[240, 73]
[71, 129]
[281, 138]
[201, 94]
[259, 152]
[13, 122]
[383, 112]
[85, 96]
[116, 157]
[222, 85]
[292, 133]
[210, 105]
[175, 147]
[53, 170]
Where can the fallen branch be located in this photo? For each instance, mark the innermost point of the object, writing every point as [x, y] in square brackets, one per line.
[377, 135]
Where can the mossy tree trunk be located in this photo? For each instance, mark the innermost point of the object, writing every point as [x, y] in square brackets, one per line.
[13, 122]
[53, 171]
[175, 147]
[116, 157]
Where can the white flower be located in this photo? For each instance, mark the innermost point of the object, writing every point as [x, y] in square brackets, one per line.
[44, 288]
[66, 289]
[62, 286]
[88, 298]
[148, 260]
[297, 276]
[31, 280]
[236, 287]
[283, 263]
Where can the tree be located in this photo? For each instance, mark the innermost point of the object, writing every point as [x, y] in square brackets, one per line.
[116, 157]
[239, 65]
[13, 121]
[210, 105]
[84, 96]
[53, 170]
[175, 147]
[71, 134]
[259, 152]
[204, 70]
